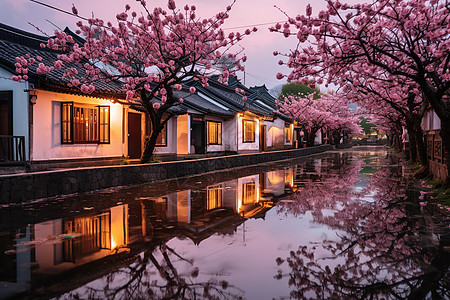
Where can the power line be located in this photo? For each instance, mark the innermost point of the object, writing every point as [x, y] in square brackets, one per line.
[253, 25]
[262, 78]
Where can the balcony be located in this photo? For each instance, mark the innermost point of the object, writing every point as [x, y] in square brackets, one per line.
[12, 150]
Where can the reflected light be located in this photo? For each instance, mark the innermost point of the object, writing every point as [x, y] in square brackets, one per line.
[113, 243]
[257, 194]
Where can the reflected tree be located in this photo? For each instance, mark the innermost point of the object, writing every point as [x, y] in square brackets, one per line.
[383, 248]
[326, 189]
[154, 275]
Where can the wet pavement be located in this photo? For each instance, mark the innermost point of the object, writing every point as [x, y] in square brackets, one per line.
[340, 225]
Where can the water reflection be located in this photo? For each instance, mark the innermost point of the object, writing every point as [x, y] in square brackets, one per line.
[383, 248]
[37, 252]
[345, 225]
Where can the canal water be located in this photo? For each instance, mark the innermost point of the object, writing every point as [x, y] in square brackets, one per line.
[340, 225]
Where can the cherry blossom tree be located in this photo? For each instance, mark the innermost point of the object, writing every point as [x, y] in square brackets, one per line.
[329, 112]
[381, 96]
[152, 52]
[404, 39]
[389, 121]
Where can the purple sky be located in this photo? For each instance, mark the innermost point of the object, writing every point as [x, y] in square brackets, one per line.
[261, 66]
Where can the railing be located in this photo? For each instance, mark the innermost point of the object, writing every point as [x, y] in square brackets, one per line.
[12, 149]
[435, 149]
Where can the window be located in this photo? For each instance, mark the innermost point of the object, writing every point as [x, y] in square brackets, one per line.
[214, 133]
[214, 195]
[161, 141]
[84, 124]
[249, 129]
[287, 134]
[249, 191]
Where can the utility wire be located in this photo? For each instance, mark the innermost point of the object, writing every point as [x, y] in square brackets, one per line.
[253, 25]
[263, 79]
[74, 15]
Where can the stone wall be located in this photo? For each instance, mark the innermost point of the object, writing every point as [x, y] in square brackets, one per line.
[25, 187]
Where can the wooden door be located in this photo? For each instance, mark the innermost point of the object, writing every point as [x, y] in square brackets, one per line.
[262, 138]
[134, 135]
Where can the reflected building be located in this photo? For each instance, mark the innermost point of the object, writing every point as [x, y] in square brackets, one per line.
[51, 247]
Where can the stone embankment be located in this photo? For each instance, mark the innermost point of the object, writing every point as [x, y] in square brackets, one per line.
[30, 186]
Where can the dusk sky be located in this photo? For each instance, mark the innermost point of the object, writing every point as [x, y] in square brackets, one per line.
[261, 66]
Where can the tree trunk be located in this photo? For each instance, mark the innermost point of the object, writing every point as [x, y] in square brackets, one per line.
[412, 141]
[421, 148]
[336, 137]
[150, 144]
[312, 137]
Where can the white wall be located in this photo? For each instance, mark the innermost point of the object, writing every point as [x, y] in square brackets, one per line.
[20, 105]
[229, 133]
[247, 146]
[183, 134]
[431, 121]
[171, 147]
[275, 133]
[47, 129]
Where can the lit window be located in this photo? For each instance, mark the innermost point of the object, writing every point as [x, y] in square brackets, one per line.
[214, 194]
[288, 134]
[214, 133]
[249, 191]
[161, 141]
[84, 124]
[249, 131]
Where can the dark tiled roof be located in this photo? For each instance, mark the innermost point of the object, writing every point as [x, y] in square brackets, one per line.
[15, 42]
[230, 96]
[264, 95]
[199, 103]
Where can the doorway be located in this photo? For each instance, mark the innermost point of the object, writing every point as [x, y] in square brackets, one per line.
[134, 136]
[198, 135]
[262, 138]
[6, 121]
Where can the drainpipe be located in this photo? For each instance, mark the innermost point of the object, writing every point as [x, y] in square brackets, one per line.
[237, 134]
[32, 97]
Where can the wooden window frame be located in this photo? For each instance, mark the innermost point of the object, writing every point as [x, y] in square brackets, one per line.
[288, 133]
[253, 139]
[69, 125]
[218, 132]
[248, 198]
[215, 190]
[106, 125]
[160, 136]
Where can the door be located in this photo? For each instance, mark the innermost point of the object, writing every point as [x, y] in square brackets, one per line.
[134, 135]
[262, 138]
[6, 124]
[198, 135]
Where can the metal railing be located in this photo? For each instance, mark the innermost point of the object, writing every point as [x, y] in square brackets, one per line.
[12, 149]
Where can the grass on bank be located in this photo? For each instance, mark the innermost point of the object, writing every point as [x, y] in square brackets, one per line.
[440, 192]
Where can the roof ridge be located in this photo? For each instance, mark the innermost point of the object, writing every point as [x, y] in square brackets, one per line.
[18, 36]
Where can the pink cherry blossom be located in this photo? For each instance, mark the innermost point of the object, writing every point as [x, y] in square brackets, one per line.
[163, 43]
